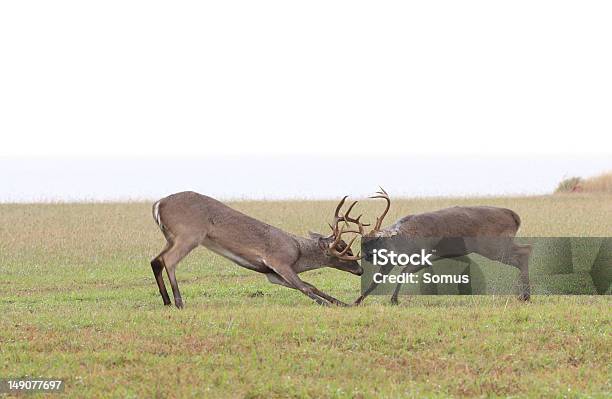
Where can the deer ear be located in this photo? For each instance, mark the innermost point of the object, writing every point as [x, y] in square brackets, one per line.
[322, 241]
[312, 234]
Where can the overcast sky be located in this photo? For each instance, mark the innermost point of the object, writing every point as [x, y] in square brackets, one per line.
[243, 80]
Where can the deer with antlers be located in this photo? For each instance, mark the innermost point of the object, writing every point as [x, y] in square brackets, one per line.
[189, 219]
[456, 232]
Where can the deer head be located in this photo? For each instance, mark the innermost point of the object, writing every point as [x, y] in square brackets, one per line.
[338, 253]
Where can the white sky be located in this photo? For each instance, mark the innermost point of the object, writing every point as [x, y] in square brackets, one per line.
[297, 176]
[258, 98]
[192, 79]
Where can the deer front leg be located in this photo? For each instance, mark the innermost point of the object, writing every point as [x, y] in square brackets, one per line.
[383, 270]
[276, 279]
[365, 293]
[292, 280]
[330, 298]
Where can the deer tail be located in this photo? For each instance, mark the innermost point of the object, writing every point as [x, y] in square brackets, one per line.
[157, 217]
[516, 218]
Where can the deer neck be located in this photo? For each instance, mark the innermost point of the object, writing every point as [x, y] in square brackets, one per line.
[311, 256]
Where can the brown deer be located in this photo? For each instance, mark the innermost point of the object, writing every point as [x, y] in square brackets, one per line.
[189, 219]
[455, 232]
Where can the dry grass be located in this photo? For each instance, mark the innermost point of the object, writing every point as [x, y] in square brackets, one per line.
[79, 302]
[601, 184]
[598, 184]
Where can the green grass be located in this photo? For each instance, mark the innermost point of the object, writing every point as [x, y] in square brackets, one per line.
[79, 302]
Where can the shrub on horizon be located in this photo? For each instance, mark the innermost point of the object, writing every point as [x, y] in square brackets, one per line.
[569, 185]
[597, 184]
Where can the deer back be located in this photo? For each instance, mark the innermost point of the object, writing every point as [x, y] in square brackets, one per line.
[197, 217]
[459, 221]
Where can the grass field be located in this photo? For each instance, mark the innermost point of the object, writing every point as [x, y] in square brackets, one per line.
[79, 302]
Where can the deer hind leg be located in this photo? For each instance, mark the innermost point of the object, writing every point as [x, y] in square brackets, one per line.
[398, 287]
[520, 258]
[171, 258]
[514, 255]
[395, 296]
[157, 265]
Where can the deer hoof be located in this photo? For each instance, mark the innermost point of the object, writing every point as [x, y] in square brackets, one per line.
[358, 301]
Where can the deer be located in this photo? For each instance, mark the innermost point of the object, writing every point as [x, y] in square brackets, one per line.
[188, 220]
[456, 232]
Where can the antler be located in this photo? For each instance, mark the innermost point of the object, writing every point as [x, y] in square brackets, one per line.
[342, 254]
[381, 194]
[338, 232]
